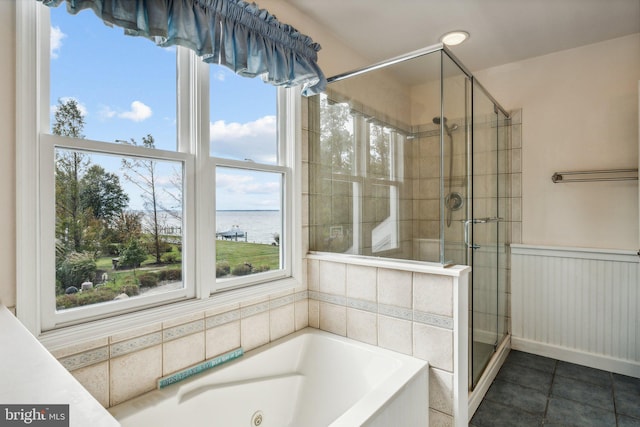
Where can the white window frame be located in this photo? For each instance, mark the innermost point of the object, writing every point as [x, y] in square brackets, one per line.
[35, 200]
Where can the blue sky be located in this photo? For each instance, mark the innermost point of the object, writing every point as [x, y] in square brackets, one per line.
[126, 88]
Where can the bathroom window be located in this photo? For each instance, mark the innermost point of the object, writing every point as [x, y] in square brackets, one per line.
[158, 181]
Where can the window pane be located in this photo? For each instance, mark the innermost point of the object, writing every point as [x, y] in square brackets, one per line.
[379, 151]
[336, 136]
[107, 86]
[118, 227]
[248, 222]
[243, 117]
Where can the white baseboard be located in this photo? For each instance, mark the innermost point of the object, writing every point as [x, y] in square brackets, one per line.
[592, 360]
[476, 396]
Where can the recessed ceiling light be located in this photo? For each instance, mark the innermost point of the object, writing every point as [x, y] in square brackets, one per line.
[454, 38]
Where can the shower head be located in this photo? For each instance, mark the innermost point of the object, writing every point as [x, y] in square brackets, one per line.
[437, 121]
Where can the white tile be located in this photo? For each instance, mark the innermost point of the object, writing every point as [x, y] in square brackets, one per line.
[394, 287]
[282, 321]
[434, 345]
[134, 374]
[362, 326]
[394, 334]
[222, 339]
[254, 331]
[182, 353]
[313, 274]
[441, 390]
[333, 278]
[361, 282]
[333, 318]
[95, 379]
[314, 314]
[301, 314]
[433, 294]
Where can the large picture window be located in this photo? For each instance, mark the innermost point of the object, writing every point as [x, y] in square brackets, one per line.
[136, 146]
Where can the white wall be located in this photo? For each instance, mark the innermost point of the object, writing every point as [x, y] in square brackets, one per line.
[7, 154]
[579, 112]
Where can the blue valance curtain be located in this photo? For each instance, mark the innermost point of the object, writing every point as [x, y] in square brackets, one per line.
[233, 33]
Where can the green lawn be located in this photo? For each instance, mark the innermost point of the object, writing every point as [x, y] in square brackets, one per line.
[254, 253]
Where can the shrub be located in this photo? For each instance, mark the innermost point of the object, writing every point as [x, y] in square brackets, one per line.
[148, 280]
[133, 254]
[75, 268]
[241, 269]
[171, 274]
[169, 258]
[222, 268]
[261, 269]
[130, 290]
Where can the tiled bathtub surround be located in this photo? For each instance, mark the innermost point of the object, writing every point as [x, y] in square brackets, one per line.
[411, 312]
[117, 368]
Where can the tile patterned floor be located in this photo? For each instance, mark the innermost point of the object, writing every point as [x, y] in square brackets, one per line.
[532, 390]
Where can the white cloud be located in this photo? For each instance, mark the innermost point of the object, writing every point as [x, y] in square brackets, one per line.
[138, 112]
[56, 41]
[254, 140]
[246, 185]
[218, 75]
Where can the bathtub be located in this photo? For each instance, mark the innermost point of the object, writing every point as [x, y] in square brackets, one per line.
[307, 379]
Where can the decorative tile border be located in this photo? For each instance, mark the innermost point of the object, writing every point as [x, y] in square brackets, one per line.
[252, 310]
[223, 318]
[299, 296]
[200, 367]
[281, 302]
[384, 309]
[135, 344]
[397, 312]
[183, 330]
[87, 358]
[433, 319]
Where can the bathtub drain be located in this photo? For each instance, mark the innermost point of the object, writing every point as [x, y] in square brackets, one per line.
[256, 419]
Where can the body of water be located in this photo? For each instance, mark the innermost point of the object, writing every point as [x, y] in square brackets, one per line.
[260, 226]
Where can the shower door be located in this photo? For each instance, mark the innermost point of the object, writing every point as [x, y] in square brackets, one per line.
[485, 231]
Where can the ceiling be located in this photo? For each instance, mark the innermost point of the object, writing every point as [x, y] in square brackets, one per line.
[502, 31]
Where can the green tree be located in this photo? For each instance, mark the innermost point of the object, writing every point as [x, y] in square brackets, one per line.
[133, 255]
[102, 194]
[336, 136]
[70, 165]
[143, 173]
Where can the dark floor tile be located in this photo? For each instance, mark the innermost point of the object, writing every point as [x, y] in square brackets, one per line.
[584, 373]
[624, 421]
[626, 384]
[524, 376]
[518, 396]
[569, 413]
[627, 403]
[533, 361]
[492, 414]
[587, 393]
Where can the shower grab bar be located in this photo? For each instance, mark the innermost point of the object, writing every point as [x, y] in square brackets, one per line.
[466, 223]
[624, 175]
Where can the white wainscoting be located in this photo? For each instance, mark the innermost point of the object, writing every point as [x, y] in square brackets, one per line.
[578, 305]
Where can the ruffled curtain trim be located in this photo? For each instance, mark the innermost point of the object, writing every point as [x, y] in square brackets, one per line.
[233, 33]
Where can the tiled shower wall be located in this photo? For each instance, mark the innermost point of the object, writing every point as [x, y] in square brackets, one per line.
[125, 365]
[404, 311]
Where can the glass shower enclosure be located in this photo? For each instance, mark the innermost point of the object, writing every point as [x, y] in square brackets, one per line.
[408, 160]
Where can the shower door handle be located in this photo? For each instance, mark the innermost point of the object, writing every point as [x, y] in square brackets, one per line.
[466, 222]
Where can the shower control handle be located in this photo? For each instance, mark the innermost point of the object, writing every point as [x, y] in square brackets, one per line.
[466, 222]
